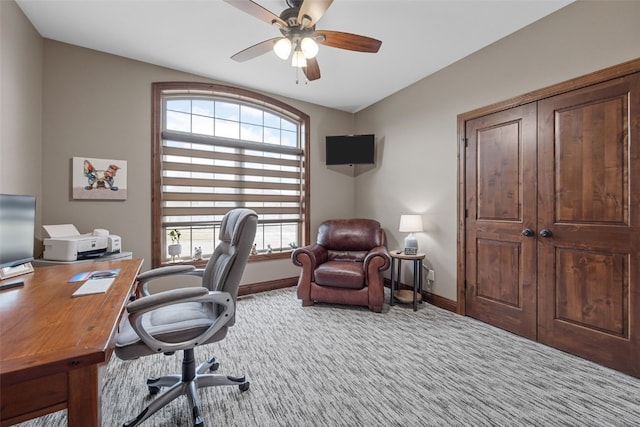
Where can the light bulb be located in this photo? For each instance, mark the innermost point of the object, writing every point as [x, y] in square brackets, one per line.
[298, 59]
[282, 48]
[309, 47]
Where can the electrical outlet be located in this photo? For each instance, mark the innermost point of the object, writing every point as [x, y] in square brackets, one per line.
[431, 275]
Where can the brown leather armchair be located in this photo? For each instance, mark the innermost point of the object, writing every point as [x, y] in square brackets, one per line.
[345, 265]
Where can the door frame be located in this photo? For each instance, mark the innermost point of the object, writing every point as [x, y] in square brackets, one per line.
[600, 76]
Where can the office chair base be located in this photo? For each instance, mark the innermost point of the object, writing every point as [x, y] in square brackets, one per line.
[186, 384]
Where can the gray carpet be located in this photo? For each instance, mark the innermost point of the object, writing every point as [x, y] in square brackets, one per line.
[346, 366]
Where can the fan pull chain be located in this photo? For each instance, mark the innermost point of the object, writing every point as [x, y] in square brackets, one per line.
[306, 80]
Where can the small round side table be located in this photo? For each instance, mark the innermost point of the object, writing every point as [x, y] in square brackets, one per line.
[405, 295]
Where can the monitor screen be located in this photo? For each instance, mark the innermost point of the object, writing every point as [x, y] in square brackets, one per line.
[350, 149]
[17, 229]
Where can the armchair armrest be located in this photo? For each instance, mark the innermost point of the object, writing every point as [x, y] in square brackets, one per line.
[138, 308]
[378, 257]
[309, 258]
[315, 253]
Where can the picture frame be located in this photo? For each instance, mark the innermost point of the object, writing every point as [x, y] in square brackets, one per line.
[99, 179]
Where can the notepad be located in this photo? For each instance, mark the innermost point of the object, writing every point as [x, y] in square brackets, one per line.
[93, 286]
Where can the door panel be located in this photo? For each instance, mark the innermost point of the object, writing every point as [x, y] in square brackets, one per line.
[591, 162]
[592, 290]
[493, 281]
[588, 268]
[500, 197]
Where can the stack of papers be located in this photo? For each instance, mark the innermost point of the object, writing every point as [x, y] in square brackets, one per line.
[93, 286]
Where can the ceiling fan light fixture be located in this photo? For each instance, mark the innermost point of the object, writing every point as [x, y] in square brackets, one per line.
[299, 38]
[282, 48]
[309, 47]
[298, 59]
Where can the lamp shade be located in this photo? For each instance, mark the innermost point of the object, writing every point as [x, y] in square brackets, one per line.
[410, 223]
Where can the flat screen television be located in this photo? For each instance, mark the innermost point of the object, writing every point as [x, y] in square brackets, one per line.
[17, 229]
[350, 149]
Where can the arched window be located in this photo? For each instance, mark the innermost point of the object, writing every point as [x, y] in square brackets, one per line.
[216, 148]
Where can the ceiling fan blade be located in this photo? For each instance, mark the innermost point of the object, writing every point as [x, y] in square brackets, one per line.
[312, 70]
[348, 41]
[313, 9]
[254, 9]
[255, 50]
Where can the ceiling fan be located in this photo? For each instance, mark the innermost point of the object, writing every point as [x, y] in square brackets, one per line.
[297, 24]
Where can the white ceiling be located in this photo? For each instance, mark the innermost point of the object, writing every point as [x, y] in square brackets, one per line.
[419, 37]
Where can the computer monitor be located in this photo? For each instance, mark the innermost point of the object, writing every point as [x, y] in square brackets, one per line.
[17, 232]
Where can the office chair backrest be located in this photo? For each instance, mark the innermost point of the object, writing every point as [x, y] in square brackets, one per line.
[226, 265]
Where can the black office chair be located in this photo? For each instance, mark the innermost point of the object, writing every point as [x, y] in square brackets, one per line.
[181, 319]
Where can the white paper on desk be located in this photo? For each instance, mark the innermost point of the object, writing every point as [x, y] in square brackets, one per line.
[94, 286]
[61, 230]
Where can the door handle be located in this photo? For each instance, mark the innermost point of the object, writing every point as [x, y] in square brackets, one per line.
[545, 233]
[527, 232]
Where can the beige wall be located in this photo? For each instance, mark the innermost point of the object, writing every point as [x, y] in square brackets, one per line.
[99, 105]
[418, 125]
[85, 103]
[20, 105]
[61, 101]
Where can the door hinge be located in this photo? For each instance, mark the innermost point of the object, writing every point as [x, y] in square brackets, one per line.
[466, 213]
[465, 141]
[465, 284]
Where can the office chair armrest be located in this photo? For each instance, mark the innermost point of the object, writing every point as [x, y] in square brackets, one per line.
[164, 271]
[196, 272]
[137, 308]
[161, 299]
[155, 273]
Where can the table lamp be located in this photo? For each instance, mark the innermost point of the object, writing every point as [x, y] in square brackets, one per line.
[410, 224]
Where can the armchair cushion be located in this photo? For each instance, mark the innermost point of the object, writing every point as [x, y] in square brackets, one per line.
[340, 274]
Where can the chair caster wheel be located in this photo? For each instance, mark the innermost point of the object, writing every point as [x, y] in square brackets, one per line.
[197, 419]
[244, 386]
[213, 364]
[153, 390]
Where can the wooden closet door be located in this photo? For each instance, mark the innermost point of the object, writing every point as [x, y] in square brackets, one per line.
[500, 199]
[589, 202]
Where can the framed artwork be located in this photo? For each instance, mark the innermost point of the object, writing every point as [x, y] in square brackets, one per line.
[99, 179]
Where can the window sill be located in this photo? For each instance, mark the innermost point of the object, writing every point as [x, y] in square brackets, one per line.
[252, 258]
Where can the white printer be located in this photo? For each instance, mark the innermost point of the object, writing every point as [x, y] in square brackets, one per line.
[65, 243]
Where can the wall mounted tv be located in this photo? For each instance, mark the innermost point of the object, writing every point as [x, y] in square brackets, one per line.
[350, 149]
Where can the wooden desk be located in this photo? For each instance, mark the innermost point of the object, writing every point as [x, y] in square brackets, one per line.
[52, 346]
